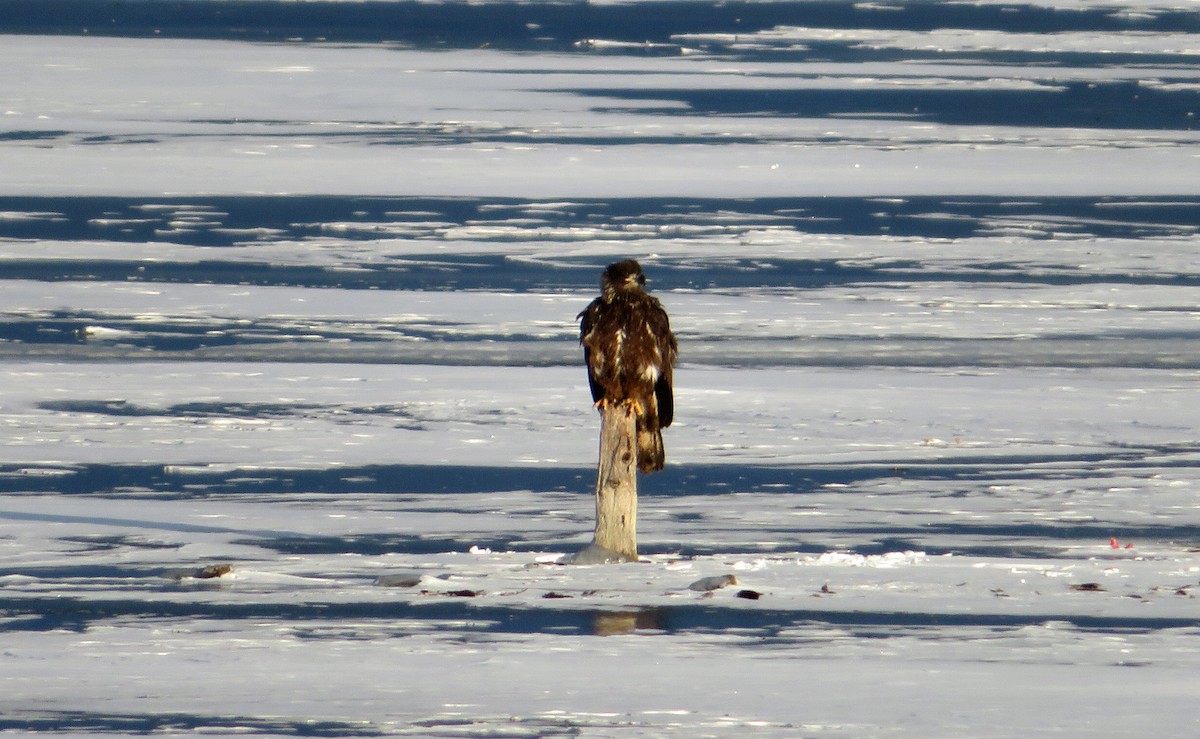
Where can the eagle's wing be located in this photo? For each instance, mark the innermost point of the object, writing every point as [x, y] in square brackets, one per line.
[664, 395]
[589, 316]
[668, 348]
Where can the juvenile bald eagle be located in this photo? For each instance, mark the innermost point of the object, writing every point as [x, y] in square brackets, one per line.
[630, 353]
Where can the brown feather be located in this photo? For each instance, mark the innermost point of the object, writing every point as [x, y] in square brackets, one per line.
[630, 354]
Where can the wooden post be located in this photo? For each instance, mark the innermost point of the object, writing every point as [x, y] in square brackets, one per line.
[615, 539]
[616, 482]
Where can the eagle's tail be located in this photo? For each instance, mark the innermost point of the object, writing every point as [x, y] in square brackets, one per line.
[650, 453]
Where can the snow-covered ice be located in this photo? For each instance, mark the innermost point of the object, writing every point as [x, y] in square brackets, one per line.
[294, 429]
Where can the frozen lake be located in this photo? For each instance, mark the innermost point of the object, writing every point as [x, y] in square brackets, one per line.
[289, 294]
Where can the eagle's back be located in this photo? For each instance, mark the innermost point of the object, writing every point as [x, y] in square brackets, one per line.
[628, 346]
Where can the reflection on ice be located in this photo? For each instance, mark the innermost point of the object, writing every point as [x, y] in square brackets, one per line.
[616, 623]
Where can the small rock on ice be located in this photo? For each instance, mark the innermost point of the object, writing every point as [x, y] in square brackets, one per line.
[713, 583]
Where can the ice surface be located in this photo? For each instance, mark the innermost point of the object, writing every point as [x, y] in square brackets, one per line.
[394, 122]
[305, 310]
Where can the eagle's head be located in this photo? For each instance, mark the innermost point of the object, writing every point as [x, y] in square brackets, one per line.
[624, 275]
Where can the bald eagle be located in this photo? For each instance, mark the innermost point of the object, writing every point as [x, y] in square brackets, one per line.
[630, 353]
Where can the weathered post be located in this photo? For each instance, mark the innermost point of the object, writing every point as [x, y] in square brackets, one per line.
[615, 539]
[616, 484]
